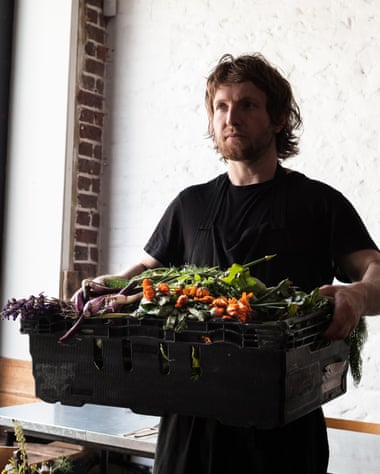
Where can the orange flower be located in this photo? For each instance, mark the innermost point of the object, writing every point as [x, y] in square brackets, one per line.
[178, 290]
[233, 307]
[201, 292]
[217, 312]
[163, 288]
[240, 309]
[182, 300]
[245, 297]
[220, 302]
[208, 299]
[190, 290]
[148, 290]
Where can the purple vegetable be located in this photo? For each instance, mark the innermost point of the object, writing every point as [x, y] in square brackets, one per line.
[94, 306]
[78, 301]
[74, 328]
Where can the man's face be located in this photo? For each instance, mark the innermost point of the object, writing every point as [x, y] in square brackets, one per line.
[242, 128]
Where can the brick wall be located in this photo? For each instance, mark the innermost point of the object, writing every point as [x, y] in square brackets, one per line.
[91, 62]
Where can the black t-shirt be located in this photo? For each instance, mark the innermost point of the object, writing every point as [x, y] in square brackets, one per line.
[308, 225]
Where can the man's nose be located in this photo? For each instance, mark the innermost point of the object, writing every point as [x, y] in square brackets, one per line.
[232, 117]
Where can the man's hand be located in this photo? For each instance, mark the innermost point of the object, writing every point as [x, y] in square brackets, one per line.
[81, 296]
[360, 298]
[349, 304]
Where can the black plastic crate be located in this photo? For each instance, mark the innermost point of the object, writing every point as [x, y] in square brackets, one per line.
[242, 374]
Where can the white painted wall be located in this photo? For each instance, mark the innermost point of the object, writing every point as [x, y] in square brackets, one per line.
[161, 52]
[37, 144]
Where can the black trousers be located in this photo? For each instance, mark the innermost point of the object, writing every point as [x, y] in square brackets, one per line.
[190, 445]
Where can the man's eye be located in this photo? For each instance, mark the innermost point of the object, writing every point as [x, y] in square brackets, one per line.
[221, 106]
[248, 105]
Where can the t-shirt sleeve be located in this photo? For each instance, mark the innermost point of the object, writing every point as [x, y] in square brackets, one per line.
[172, 241]
[349, 232]
[166, 242]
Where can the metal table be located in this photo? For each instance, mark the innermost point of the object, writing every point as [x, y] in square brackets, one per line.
[107, 428]
[121, 430]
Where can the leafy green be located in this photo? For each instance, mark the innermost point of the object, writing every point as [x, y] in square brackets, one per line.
[240, 278]
[356, 341]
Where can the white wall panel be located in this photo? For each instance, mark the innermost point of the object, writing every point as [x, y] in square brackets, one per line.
[36, 161]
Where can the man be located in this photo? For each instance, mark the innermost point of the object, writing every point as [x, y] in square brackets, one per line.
[259, 208]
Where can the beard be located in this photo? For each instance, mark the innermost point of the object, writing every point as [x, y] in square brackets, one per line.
[253, 151]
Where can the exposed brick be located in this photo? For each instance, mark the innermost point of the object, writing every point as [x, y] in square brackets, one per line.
[95, 221]
[90, 100]
[88, 269]
[90, 132]
[87, 201]
[98, 118]
[99, 88]
[87, 115]
[101, 20]
[90, 48]
[94, 254]
[81, 253]
[95, 185]
[83, 218]
[95, 33]
[85, 149]
[91, 15]
[88, 82]
[98, 152]
[86, 236]
[95, 3]
[90, 103]
[89, 166]
[84, 184]
[95, 67]
[101, 52]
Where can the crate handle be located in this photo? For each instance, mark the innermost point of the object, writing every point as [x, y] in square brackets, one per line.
[333, 375]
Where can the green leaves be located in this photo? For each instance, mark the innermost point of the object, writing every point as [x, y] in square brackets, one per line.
[240, 278]
[356, 341]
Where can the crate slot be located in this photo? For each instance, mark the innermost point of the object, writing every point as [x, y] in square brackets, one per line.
[98, 353]
[195, 362]
[126, 354]
[163, 358]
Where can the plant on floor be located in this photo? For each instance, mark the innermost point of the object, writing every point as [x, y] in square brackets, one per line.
[18, 463]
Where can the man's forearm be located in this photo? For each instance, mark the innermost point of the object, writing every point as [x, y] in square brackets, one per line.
[369, 285]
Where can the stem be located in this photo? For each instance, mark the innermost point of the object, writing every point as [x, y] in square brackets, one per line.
[126, 290]
[259, 260]
[73, 329]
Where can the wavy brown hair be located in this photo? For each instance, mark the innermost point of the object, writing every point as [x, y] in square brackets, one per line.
[281, 105]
